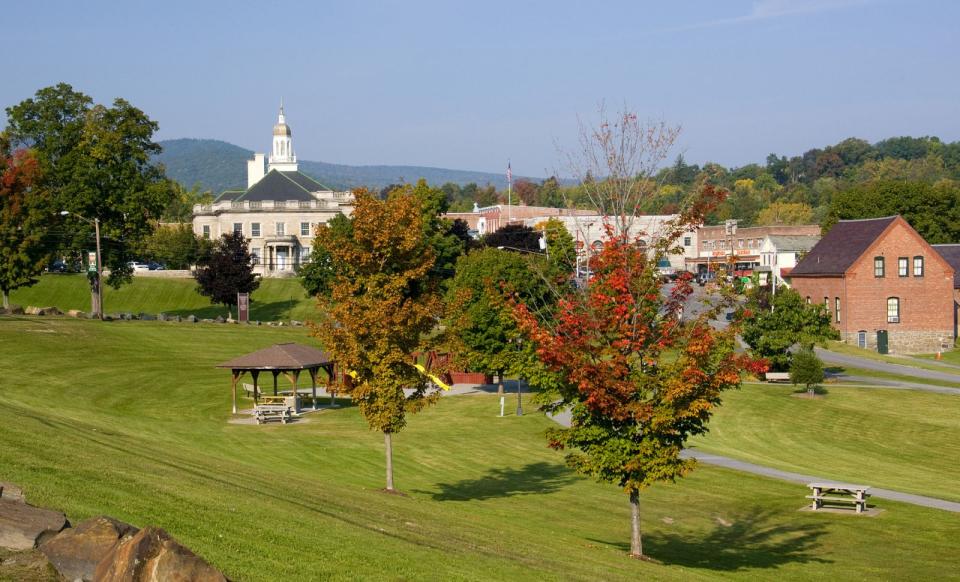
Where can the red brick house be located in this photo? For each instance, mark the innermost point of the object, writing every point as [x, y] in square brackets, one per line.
[951, 254]
[882, 284]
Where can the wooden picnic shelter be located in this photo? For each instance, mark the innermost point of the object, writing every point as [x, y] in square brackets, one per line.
[289, 359]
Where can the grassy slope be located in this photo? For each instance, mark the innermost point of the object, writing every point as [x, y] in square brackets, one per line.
[894, 439]
[951, 357]
[129, 419]
[275, 299]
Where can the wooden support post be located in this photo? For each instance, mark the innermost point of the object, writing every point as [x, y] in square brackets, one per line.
[275, 373]
[256, 391]
[296, 396]
[233, 388]
[313, 386]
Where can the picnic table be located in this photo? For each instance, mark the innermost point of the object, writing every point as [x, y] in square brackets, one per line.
[839, 493]
[266, 412]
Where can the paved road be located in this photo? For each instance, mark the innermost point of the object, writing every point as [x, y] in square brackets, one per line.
[563, 419]
[901, 369]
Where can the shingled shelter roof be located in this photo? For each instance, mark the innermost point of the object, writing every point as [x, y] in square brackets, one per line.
[841, 247]
[951, 254]
[288, 356]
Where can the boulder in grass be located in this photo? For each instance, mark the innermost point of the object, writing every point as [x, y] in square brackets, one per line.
[15, 310]
[76, 313]
[76, 552]
[147, 317]
[192, 318]
[23, 526]
[11, 492]
[220, 319]
[162, 317]
[152, 555]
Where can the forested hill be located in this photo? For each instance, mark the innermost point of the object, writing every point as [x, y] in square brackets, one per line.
[218, 166]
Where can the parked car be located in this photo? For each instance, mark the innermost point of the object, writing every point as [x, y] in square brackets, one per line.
[136, 266]
[155, 266]
[666, 270]
[706, 277]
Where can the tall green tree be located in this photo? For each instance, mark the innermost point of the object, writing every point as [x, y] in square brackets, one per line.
[227, 271]
[382, 303]
[317, 276]
[774, 323]
[24, 213]
[477, 312]
[96, 162]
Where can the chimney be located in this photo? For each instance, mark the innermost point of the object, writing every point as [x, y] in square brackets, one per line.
[255, 170]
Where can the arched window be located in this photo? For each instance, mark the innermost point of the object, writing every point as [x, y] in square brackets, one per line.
[893, 310]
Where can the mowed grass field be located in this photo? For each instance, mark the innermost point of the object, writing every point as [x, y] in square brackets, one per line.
[130, 419]
[276, 299]
[894, 439]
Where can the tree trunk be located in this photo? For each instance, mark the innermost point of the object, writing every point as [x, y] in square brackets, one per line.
[636, 545]
[95, 307]
[810, 389]
[388, 443]
[500, 382]
[6, 299]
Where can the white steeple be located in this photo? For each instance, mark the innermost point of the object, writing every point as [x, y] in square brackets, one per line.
[282, 157]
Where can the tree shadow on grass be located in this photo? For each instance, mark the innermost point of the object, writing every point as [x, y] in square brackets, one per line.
[754, 540]
[535, 478]
[258, 311]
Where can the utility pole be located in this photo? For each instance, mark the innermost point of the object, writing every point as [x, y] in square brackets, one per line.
[96, 294]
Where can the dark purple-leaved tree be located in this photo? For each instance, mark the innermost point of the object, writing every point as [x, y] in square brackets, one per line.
[227, 271]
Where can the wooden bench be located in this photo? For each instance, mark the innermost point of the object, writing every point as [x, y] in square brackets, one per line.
[844, 493]
[266, 412]
[777, 376]
[248, 388]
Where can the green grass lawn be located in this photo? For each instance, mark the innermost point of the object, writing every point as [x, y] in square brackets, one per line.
[130, 419]
[276, 299]
[896, 439]
[871, 374]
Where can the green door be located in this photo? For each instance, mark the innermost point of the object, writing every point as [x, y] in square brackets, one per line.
[882, 341]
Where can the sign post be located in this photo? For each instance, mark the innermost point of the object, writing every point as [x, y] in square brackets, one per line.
[243, 307]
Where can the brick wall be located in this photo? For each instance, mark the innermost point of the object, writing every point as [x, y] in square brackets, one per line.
[926, 303]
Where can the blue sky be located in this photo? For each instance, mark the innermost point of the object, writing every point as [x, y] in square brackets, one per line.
[470, 84]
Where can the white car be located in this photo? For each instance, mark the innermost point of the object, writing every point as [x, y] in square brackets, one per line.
[139, 266]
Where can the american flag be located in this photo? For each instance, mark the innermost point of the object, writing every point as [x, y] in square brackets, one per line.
[509, 173]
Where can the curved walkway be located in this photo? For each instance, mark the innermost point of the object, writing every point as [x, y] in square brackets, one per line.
[563, 418]
[868, 364]
[729, 463]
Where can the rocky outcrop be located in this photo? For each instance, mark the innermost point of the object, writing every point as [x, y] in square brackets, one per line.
[76, 552]
[100, 548]
[153, 556]
[23, 526]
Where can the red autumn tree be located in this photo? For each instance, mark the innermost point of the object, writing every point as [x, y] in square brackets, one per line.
[638, 378]
[25, 212]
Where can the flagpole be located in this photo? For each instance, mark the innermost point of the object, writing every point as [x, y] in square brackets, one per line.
[509, 192]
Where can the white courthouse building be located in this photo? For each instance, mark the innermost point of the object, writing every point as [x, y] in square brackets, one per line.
[278, 211]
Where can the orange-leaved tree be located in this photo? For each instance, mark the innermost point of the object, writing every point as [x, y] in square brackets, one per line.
[638, 378]
[381, 305]
[637, 374]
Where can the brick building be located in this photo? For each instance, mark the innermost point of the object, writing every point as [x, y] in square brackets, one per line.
[882, 283]
[719, 245]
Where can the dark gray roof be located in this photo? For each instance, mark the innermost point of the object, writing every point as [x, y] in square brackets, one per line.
[951, 254]
[229, 195]
[278, 185]
[841, 247]
[280, 357]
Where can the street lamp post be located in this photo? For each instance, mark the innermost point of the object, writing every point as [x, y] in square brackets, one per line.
[97, 297]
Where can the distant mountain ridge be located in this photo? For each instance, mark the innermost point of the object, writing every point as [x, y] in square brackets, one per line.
[217, 166]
